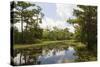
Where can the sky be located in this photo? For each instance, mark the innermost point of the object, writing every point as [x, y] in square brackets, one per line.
[56, 14]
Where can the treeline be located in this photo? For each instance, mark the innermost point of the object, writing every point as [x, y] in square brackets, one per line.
[41, 35]
[31, 15]
[86, 25]
[29, 37]
[57, 34]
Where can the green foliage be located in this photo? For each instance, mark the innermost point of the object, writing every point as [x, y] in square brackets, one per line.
[20, 12]
[57, 34]
[16, 35]
[84, 55]
[86, 31]
[32, 17]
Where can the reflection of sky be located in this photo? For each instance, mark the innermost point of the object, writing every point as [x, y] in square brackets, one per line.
[50, 56]
[56, 15]
[57, 56]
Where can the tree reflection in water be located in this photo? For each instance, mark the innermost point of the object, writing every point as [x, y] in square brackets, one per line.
[46, 57]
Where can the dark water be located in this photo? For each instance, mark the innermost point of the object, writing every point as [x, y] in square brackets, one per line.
[47, 56]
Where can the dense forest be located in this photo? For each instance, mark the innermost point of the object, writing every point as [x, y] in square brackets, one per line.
[85, 24]
[86, 30]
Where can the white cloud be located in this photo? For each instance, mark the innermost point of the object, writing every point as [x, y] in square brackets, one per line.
[65, 11]
[18, 25]
[71, 28]
[50, 23]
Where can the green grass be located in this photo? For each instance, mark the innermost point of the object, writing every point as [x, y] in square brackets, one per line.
[60, 43]
[32, 45]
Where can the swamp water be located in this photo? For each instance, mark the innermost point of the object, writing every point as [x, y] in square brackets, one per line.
[46, 56]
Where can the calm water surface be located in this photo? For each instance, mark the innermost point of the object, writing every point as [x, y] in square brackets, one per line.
[48, 56]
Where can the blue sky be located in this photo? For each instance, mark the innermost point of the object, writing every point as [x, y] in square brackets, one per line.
[56, 14]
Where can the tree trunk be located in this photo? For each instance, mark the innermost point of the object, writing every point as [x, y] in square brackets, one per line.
[22, 26]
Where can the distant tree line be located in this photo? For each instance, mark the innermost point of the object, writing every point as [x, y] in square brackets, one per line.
[57, 34]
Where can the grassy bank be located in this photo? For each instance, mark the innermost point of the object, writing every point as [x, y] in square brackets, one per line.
[82, 52]
[60, 43]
